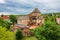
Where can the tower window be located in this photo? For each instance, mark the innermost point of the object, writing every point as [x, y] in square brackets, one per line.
[34, 17]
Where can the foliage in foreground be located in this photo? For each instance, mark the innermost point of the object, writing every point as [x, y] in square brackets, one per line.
[29, 38]
[4, 23]
[6, 35]
[18, 35]
[13, 18]
[48, 31]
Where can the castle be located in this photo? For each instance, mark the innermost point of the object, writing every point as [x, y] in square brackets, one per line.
[32, 20]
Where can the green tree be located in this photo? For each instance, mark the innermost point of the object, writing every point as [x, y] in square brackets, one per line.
[13, 18]
[19, 35]
[4, 23]
[48, 31]
[6, 35]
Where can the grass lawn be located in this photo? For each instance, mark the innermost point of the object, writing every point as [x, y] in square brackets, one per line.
[29, 38]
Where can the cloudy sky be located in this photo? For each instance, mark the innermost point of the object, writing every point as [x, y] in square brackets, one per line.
[26, 6]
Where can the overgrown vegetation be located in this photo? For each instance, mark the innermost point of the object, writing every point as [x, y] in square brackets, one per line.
[19, 35]
[6, 35]
[48, 31]
[29, 38]
[13, 19]
[4, 23]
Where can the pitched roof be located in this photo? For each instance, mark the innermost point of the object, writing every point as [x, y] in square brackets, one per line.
[5, 17]
[33, 27]
[20, 26]
[36, 10]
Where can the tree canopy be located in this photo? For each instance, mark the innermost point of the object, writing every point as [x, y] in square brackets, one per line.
[19, 35]
[48, 31]
[13, 18]
[6, 35]
[4, 23]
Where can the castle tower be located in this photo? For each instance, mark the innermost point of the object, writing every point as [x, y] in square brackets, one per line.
[35, 17]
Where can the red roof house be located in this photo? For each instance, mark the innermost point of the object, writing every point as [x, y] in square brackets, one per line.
[5, 17]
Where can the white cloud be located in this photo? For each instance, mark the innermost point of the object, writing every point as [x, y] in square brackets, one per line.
[4, 13]
[16, 9]
[35, 3]
[2, 1]
[7, 13]
[49, 5]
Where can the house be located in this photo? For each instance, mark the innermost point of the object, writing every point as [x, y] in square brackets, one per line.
[6, 18]
[58, 21]
[23, 20]
[31, 20]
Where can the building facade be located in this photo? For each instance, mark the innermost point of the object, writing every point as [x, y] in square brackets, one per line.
[35, 18]
[58, 21]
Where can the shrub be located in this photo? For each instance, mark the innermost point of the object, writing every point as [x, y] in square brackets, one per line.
[19, 35]
[6, 35]
[48, 31]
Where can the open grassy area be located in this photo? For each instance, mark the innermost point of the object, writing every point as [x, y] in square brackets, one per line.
[29, 38]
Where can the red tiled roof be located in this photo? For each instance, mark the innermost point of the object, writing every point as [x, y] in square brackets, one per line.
[5, 17]
[33, 27]
[26, 30]
[16, 27]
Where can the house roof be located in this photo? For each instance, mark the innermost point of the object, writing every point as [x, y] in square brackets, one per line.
[35, 12]
[21, 26]
[33, 27]
[5, 17]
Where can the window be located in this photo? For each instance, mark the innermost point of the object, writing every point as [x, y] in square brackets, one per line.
[34, 17]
